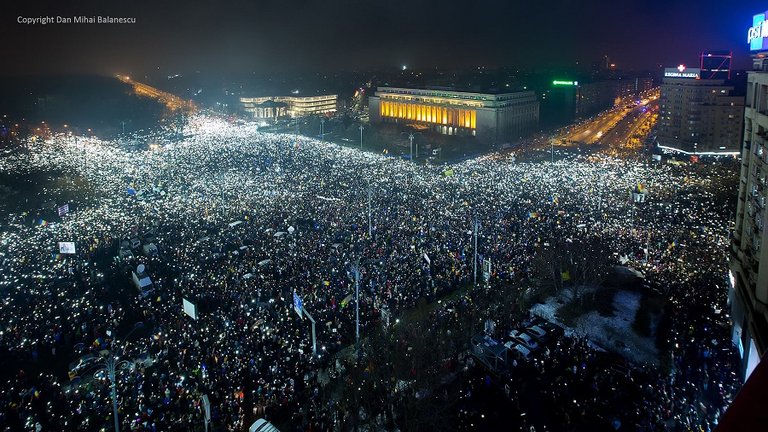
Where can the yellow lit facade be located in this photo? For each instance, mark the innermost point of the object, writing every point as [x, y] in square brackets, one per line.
[489, 117]
[447, 116]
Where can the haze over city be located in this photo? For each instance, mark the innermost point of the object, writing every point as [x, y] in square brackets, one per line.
[340, 216]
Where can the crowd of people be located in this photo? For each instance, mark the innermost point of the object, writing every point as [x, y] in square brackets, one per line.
[243, 219]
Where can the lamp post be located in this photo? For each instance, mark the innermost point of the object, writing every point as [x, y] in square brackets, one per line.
[356, 274]
[370, 230]
[322, 129]
[475, 228]
[411, 136]
[110, 366]
[361, 136]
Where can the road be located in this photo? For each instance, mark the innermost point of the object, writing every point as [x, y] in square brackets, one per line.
[172, 102]
[617, 130]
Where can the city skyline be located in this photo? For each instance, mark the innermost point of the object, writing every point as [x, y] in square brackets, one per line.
[306, 36]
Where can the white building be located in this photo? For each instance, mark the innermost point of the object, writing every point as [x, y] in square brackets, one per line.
[494, 118]
[272, 107]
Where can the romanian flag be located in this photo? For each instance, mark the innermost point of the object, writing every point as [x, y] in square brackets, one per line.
[533, 215]
[42, 222]
[553, 199]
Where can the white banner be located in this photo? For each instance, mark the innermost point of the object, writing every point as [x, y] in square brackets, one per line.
[190, 309]
[66, 247]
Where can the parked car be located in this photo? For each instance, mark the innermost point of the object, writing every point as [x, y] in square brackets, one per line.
[524, 339]
[519, 351]
[537, 332]
[554, 330]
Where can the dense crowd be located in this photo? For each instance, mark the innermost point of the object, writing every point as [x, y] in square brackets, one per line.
[303, 208]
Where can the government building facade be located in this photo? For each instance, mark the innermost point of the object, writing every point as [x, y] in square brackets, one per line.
[492, 118]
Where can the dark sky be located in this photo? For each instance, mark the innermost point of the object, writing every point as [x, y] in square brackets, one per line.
[292, 35]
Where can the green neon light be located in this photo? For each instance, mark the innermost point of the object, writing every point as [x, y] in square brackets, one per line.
[565, 83]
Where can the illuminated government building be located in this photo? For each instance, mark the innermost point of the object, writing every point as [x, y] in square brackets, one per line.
[274, 107]
[493, 118]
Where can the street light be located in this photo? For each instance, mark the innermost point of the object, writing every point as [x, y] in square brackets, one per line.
[356, 274]
[110, 366]
[411, 136]
[475, 229]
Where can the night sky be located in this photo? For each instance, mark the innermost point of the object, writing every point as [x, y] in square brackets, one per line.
[305, 35]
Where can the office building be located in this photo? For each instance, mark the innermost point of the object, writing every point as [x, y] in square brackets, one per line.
[492, 118]
[698, 116]
[748, 295]
[275, 107]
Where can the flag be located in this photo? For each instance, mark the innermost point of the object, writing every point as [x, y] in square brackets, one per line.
[448, 173]
[533, 215]
[42, 222]
[565, 276]
[553, 199]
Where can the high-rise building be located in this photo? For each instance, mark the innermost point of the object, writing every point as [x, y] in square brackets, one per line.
[492, 118]
[749, 248]
[699, 116]
[716, 65]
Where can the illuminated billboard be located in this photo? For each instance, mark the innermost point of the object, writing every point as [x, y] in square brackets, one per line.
[757, 35]
[682, 72]
[565, 83]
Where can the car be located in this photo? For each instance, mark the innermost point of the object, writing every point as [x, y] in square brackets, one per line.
[550, 328]
[537, 332]
[518, 350]
[524, 339]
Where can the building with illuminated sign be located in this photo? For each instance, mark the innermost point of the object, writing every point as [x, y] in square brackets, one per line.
[492, 118]
[748, 295]
[273, 107]
[698, 116]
